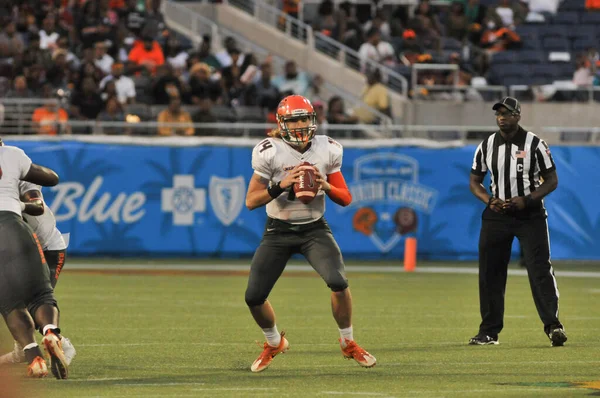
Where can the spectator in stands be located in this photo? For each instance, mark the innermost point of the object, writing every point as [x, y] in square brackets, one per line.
[412, 48]
[174, 114]
[424, 12]
[379, 22]
[20, 89]
[155, 25]
[49, 35]
[511, 14]
[35, 77]
[205, 115]
[233, 88]
[315, 89]
[201, 85]
[474, 11]
[124, 84]
[592, 4]
[494, 40]
[109, 90]
[166, 85]
[425, 30]
[59, 74]
[86, 103]
[583, 75]
[11, 42]
[322, 123]
[263, 93]
[72, 60]
[375, 95]
[376, 50]
[134, 17]
[146, 55]
[291, 80]
[102, 60]
[204, 54]
[225, 56]
[50, 118]
[176, 57]
[350, 28]
[34, 55]
[89, 25]
[87, 69]
[336, 113]
[457, 23]
[327, 20]
[113, 113]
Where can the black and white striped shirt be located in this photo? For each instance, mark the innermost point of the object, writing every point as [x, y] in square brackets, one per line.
[515, 166]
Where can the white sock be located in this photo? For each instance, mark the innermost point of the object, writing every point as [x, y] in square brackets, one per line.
[49, 326]
[30, 346]
[346, 334]
[272, 335]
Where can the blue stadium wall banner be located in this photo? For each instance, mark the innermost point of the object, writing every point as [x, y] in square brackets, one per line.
[134, 199]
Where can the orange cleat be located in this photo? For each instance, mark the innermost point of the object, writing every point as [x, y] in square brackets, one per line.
[37, 368]
[351, 350]
[269, 352]
[58, 362]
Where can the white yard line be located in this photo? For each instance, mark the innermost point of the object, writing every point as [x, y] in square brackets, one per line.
[100, 266]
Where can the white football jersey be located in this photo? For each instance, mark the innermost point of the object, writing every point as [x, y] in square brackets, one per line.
[272, 159]
[14, 165]
[45, 225]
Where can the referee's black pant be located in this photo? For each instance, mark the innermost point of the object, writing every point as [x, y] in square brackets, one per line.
[495, 245]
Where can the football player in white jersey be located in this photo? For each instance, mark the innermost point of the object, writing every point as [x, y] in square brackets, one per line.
[295, 227]
[24, 275]
[41, 219]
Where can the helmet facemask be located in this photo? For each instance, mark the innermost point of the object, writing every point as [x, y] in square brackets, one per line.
[298, 136]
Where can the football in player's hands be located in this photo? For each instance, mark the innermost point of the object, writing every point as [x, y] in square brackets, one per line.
[306, 189]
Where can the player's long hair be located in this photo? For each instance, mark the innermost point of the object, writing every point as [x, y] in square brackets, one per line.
[275, 133]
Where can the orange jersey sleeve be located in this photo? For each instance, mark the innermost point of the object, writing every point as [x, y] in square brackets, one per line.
[339, 192]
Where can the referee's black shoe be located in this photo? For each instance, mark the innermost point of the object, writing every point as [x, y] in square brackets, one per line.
[483, 339]
[558, 337]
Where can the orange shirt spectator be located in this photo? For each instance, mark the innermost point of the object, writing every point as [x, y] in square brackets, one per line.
[47, 119]
[119, 4]
[592, 4]
[147, 53]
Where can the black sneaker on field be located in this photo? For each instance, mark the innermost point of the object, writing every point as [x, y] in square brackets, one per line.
[558, 337]
[482, 339]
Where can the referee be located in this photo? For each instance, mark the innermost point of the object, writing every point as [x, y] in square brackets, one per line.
[518, 162]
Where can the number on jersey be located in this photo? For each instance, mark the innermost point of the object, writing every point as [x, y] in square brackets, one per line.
[264, 145]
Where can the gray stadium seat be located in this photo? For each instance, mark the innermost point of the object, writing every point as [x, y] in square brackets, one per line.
[531, 57]
[450, 43]
[591, 18]
[566, 18]
[504, 57]
[582, 32]
[552, 31]
[224, 114]
[556, 44]
[581, 44]
[572, 5]
[251, 114]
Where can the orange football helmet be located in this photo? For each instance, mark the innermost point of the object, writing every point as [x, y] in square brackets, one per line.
[294, 108]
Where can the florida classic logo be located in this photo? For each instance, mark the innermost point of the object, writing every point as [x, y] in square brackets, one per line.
[386, 197]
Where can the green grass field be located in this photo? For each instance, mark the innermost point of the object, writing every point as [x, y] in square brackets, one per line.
[190, 334]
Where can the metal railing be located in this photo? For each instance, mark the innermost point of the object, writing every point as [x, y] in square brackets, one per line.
[202, 24]
[322, 43]
[237, 134]
[559, 93]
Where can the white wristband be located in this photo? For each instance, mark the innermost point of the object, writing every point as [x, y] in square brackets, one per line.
[22, 206]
